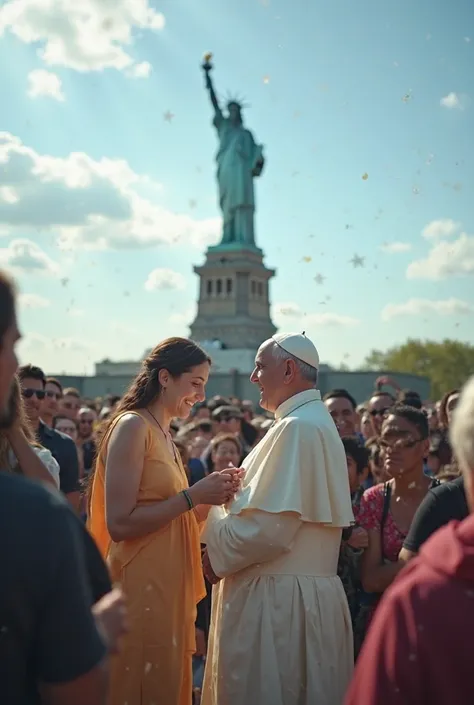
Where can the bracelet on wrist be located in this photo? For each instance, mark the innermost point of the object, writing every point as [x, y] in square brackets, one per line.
[188, 499]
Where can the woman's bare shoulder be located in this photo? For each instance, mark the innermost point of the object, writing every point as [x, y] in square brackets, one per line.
[129, 423]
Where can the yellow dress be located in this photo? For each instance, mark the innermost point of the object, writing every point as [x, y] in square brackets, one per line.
[161, 576]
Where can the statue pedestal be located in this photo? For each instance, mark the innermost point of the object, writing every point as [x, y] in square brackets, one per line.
[234, 303]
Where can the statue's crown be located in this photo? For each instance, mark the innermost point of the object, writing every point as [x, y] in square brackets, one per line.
[235, 100]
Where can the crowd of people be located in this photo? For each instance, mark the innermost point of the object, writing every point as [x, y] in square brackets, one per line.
[257, 552]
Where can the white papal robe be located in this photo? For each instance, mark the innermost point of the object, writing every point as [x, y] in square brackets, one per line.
[280, 627]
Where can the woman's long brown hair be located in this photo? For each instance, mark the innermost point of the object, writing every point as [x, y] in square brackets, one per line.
[177, 356]
[16, 415]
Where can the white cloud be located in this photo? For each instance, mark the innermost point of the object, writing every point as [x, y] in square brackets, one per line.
[184, 318]
[331, 320]
[23, 256]
[452, 101]
[160, 279]
[393, 248]
[287, 309]
[418, 307]
[53, 355]
[283, 311]
[45, 83]
[88, 203]
[33, 301]
[445, 259]
[141, 70]
[436, 229]
[90, 35]
[8, 195]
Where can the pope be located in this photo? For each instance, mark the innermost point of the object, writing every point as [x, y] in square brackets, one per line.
[280, 627]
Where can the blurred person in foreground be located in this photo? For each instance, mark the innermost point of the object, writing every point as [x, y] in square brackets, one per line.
[278, 606]
[418, 649]
[145, 519]
[19, 450]
[53, 646]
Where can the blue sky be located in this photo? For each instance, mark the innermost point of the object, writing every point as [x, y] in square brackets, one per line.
[98, 190]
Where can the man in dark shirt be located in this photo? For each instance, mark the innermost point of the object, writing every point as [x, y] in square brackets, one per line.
[62, 447]
[48, 635]
[441, 505]
[49, 639]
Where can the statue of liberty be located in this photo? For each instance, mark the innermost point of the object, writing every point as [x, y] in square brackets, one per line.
[239, 161]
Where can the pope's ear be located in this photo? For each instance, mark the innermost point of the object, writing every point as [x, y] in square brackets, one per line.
[291, 370]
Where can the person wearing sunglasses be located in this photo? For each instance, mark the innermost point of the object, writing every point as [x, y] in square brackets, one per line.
[63, 449]
[378, 406]
[387, 510]
[70, 403]
[53, 395]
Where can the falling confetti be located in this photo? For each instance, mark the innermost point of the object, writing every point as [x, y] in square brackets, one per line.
[319, 279]
[168, 116]
[408, 96]
[266, 79]
[64, 281]
[365, 176]
[192, 203]
[357, 261]
[307, 259]
[416, 190]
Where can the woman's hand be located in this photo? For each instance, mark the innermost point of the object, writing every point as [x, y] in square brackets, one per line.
[216, 489]
[359, 538]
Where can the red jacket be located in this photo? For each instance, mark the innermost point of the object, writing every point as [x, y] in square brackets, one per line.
[419, 650]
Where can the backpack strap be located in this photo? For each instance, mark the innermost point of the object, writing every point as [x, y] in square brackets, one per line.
[387, 494]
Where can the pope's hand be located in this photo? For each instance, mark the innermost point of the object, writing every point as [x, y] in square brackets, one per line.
[217, 488]
[209, 574]
[237, 475]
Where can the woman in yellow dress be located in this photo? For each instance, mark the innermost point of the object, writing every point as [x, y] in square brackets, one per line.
[145, 520]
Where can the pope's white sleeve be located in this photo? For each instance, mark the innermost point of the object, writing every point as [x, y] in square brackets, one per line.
[241, 540]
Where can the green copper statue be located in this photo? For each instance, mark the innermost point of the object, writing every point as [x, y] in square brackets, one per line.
[239, 160]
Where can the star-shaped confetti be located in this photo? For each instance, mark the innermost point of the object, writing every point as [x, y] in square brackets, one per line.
[365, 176]
[319, 279]
[357, 261]
[168, 116]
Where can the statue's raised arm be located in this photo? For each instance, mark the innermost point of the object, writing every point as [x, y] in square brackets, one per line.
[207, 68]
[239, 160]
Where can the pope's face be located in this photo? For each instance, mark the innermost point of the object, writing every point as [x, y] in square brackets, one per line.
[269, 375]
